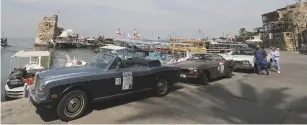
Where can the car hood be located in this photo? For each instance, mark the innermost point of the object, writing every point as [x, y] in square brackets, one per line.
[242, 57]
[190, 64]
[69, 71]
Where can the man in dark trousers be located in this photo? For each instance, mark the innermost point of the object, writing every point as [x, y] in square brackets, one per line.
[261, 61]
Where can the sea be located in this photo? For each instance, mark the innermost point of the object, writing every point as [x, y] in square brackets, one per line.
[58, 56]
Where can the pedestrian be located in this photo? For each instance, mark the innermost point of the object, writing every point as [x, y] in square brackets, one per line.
[276, 59]
[272, 54]
[261, 60]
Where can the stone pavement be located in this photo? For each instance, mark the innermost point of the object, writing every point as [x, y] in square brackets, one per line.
[245, 98]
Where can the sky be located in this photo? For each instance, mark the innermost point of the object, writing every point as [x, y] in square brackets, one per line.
[152, 18]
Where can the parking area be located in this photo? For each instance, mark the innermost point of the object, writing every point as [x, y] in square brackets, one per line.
[245, 98]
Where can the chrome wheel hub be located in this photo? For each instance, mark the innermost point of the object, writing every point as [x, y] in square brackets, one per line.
[74, 106]
[162, 87]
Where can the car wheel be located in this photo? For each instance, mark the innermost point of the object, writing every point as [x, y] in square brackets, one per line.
[204, 79]
[72, 105]
[162, 87]
[229, 75]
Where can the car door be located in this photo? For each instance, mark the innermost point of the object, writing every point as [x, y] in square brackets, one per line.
[221, 64]
[135, 79]
[212, 66]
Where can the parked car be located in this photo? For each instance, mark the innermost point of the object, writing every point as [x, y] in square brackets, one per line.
[69, 90]
[204, 67]
[244, 58]
[303, 50]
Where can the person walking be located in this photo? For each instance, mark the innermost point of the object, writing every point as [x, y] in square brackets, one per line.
[276, 59]
[261, 61]
[272, 54]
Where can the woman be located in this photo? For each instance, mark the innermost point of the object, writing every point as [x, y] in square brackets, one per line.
[276, 56]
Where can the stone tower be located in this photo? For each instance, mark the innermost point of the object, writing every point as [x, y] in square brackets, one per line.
[47, 30]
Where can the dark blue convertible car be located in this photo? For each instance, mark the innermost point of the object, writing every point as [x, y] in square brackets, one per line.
[69, 90]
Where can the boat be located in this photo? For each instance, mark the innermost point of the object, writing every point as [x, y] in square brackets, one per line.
[38, 60]
[122, 52]
[75, 62]
[67, 39]
[223, 46]
[193, 46]
[254, 41]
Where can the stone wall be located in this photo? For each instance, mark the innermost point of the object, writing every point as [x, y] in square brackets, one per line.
[304, 35]
[47, 30]
[282, 40]
[288, 30]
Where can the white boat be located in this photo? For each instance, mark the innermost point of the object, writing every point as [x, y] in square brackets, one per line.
[39, 60]
[75, 62]
[122, 52]
[254, 40]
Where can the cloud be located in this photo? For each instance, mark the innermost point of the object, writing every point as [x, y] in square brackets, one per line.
[160, 17]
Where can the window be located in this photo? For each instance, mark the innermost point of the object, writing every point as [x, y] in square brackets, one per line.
[218, 58]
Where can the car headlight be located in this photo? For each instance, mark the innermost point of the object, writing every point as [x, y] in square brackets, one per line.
[42, 91]
[193, 69]
[245, 62]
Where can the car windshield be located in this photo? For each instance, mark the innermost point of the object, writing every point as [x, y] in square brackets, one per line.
[102, 60]
[206, 57]
[243, 52]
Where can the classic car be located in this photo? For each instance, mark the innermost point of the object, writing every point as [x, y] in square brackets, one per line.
[303, 50]
[69, 90]
[243, 58]
[204, 67]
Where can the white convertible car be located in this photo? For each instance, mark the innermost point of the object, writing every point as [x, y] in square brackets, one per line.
[243, 58]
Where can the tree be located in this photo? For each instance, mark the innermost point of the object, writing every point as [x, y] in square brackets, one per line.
[244, 35]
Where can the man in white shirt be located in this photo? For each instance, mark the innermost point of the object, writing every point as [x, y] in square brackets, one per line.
[272, 53]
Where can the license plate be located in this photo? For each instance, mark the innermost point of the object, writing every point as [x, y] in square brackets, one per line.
[183, 76]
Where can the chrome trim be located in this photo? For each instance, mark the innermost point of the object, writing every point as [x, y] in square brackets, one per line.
[122, 94]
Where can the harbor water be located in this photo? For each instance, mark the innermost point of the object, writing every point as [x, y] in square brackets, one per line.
[58, 56]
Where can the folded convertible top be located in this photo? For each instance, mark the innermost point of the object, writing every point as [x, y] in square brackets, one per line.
[144, 62]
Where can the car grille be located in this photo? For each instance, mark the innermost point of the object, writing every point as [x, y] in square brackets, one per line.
[184, 71]
[238, 62]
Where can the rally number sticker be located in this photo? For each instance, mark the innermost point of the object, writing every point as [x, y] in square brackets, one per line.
[118, 81]
[221, 67]
[127, 80]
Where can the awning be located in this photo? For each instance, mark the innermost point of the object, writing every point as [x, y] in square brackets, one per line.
[23, 53]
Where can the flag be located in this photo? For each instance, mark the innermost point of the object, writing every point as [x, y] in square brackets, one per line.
[136, 34]
[135, 31]
[118, 32]
[229, 37]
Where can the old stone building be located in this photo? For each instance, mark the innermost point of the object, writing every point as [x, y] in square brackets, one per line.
[47, 30]
[284, 28]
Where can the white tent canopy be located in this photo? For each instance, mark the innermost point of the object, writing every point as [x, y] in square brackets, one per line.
[23, 53]
[67, 33]
[112, 47]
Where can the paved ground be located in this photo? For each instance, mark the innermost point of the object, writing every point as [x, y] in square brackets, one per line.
[245, 98]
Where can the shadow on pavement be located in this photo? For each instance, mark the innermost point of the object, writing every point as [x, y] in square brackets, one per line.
[216, 101]
[49, 115]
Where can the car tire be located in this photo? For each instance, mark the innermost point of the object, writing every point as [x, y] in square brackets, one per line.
[229, 75]
[162, 87]
[204, 79]
[72, 105]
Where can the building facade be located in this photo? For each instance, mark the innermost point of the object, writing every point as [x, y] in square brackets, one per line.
[285, 27]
